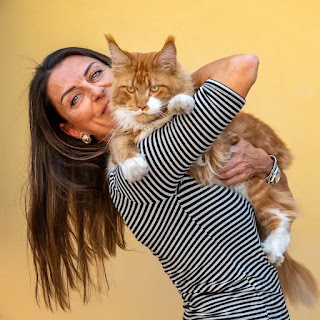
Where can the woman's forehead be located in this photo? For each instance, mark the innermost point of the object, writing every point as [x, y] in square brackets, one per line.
[72, 66]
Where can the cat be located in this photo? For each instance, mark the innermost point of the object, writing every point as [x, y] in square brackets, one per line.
[142, 106]
[139, 113]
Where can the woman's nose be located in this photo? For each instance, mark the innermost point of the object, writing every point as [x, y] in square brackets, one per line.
[97, 92]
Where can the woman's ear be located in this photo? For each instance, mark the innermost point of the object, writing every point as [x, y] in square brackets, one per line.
[70, 130]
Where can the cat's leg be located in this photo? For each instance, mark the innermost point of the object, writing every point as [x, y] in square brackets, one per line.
[277, 242]
[181, 104]
[275, 211]
[135, 168]
[127, 155]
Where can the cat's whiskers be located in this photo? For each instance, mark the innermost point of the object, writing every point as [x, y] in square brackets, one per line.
[189, 92]
[161, 114]
[165, 102]
[109, 135]
[103, 127]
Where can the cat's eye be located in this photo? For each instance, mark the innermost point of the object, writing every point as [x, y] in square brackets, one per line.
[154, 88]
[130, 89]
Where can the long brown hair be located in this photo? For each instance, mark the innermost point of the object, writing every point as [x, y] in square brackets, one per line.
[72, 222]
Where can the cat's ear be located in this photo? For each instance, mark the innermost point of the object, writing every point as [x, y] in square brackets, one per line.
[167, 57]
[119, 58]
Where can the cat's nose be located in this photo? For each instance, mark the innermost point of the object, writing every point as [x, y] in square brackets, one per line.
[143, 106]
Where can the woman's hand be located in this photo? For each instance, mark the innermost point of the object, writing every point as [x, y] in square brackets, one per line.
[246, 162]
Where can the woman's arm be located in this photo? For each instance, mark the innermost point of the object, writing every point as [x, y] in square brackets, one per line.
[237, 72]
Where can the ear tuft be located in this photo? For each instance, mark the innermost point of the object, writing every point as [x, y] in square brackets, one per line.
[170, 39]
[110, 38]
[167, 57]
[120, 59]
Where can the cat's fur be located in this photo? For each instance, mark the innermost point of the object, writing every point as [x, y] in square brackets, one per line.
[148, 88]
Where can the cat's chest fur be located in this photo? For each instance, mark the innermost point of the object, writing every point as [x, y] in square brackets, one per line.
[140, 130]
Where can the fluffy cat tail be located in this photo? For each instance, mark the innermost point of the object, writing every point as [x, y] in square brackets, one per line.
[297, 282]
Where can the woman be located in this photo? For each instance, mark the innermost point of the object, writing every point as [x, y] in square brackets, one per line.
[205, 237]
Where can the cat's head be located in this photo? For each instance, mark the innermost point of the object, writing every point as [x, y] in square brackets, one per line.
[143, 83]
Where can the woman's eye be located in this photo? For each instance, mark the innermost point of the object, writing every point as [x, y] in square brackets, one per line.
[96, 74]
[75, 99]
[154, 88]
[130, 89]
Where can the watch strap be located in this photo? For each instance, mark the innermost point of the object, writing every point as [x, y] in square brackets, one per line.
[275, 173]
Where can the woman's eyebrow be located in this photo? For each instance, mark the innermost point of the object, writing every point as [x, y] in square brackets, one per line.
[88, 68]
[66, 93]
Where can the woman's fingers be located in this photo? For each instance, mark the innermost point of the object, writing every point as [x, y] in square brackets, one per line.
[234, 161]
[236, 174]
[235, 179]
[232, 172]
[246, 161]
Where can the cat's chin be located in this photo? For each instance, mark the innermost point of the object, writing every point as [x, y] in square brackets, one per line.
[146, 118]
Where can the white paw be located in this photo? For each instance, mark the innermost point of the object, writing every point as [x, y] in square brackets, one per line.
[135, 168]
[181, 104]
[275, 245]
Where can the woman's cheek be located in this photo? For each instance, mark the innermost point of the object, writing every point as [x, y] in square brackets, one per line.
[83, 112]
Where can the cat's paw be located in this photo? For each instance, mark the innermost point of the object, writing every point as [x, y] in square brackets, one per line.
[275, 245]
[135, 168]
[181, 104]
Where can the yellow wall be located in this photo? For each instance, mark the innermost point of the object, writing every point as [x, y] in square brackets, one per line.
[284, 34]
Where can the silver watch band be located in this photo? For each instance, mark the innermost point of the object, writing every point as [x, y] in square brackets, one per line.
[274, 176]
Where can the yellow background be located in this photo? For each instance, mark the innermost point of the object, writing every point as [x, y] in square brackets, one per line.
[284, 34]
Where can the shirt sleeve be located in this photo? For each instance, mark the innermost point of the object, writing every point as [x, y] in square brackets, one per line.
[171, 150]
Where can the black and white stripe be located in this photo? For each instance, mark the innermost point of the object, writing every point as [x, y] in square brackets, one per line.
[204, 236]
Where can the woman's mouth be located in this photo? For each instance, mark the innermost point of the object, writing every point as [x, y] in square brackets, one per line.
[105, 108]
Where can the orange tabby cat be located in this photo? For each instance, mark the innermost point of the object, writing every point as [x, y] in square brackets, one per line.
[148, 88]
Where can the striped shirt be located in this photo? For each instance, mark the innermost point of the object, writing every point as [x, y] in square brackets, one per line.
[205, 237]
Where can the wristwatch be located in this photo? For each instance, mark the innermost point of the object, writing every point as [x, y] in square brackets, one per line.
[275, 174]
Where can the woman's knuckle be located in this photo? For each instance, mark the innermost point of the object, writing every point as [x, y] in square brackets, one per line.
[244, 176]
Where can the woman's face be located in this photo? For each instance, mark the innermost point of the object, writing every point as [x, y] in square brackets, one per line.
[80, 89]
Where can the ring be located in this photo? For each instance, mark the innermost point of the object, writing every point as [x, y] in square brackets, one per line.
[232, 153]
